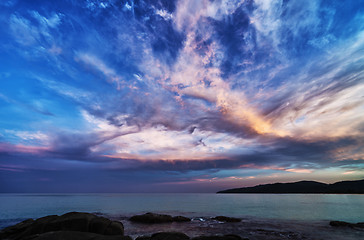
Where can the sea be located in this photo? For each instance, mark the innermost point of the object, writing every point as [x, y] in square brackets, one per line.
[264, 216]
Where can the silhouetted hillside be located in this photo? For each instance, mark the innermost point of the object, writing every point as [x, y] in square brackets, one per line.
[303, 187]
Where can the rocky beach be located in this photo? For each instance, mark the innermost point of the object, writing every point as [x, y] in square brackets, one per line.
[153, 226]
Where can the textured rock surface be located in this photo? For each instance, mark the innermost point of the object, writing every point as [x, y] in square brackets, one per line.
[165, 236]
[169, 236]
[73, 221]
[157, 218]
[74, 235]
[182, 236]
[151, 218]
[224, 237]
[346, 224]
[226, 219]
[181, 219]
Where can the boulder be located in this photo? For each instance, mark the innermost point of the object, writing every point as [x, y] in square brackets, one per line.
[151, 218]
[165, 236]
[226, 219]
[346, 224]
[340, 224]
[143, 238]
[181, 219]
[224, 237]
[360, 225]
[157, 218]
[73, 221]
[169, 236]
[16, 229]
[74, 235]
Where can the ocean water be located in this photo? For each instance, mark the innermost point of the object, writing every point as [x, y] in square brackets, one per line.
[269, 211]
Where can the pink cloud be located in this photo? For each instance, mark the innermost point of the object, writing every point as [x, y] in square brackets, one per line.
[6, 147]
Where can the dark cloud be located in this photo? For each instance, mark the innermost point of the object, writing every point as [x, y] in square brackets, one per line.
[261, 88]
[50, 170]
[284, 152]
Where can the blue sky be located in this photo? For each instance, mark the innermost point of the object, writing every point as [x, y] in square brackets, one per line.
[179, 96]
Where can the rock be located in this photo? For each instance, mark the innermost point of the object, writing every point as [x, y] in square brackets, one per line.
[143, 238]
[70, 235]
[227, 219]
[165, 236]
[114, 228]
[169, 236]
[360, 225]
[15, 229]
[73, 221]
[233, 236]
[346, 224]
[181, 219]
[225, 237]
[151, 218]
[157, 218]
[340, 224]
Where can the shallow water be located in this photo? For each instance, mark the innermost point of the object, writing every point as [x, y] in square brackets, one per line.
[265, 216]
[252, 228]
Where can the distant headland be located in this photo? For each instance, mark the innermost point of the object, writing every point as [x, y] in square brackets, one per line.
[343, 187]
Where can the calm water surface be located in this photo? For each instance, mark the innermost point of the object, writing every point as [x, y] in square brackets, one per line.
[310, 207]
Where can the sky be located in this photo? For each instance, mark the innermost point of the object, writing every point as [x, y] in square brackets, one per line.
[179, 95]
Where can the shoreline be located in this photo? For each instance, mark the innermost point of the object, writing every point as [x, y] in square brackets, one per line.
[247, 228]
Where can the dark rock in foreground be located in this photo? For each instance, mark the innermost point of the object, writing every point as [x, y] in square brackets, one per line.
[58, 227]
[346, 224]
[151, 218]
[224, 237]
[165, 236]
[181, 219]
[344, 187]
[70, 235]
[182, 236]
[157, 218]
[227, 219]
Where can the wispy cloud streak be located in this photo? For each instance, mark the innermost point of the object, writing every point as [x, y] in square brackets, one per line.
[201, 89]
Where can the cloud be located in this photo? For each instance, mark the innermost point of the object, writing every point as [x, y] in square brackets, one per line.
[51, 22]
[26, 33]
[34, 107]
[109, 73]
[227, 113]
[29, 136]
[211, 89]
[164, 14]
[23, 31]
[8, 3]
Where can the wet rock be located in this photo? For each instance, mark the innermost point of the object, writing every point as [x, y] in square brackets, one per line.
[346, 224]
[181, 219]
[114, 228]
[70, 235]
[226, 219]
[169, 236]
[360, 225]
[151, 218]
[224, 237]
[16, 229]
[157, 218]
[340, 224]
[143, 238]
[73, 221]
[165, 236]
